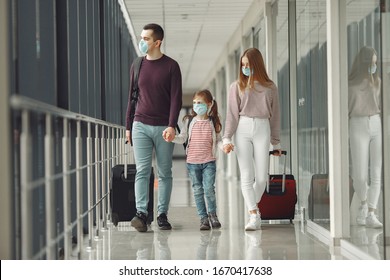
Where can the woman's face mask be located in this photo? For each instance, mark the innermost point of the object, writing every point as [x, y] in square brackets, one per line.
[372, 69]
[246, 71]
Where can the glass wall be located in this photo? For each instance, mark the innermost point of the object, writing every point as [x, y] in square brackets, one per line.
[367, 24]
[283, 75]
[73, 55]
[312, 123]
[365, 74]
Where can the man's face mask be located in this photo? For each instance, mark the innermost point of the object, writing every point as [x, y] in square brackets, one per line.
[143, 47]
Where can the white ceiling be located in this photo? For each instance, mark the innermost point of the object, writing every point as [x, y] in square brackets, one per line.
[196, 32]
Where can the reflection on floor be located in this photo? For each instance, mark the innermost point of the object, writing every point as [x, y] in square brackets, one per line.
[367, 240]
[275, 241]
[186, 242]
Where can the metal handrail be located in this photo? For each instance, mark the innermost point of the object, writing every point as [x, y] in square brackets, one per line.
[19, 102]
[108, 149]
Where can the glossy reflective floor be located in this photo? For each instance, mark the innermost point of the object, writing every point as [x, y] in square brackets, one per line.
[275, 241]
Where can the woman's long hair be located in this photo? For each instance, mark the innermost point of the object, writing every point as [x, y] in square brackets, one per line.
[360, 66]
[258, 71]
[213, 113]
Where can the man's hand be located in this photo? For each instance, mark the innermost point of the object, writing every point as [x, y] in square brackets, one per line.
[128, 136]
[169, 134]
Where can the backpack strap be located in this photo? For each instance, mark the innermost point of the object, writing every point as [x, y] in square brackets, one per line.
[134, 92]
[136, 68]
[185, 144]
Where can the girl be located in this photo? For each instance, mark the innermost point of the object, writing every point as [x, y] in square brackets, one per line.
[253, 117]
[201, 131]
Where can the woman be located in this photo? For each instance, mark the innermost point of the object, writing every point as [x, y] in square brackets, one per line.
[365, 134]
[253, 119]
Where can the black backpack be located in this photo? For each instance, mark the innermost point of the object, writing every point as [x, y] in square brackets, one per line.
[134, 93]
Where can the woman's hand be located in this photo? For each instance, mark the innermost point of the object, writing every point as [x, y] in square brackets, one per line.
[277, 152]
[227, 148]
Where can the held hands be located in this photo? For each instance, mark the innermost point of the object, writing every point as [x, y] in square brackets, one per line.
[227, 148]
[169, 134]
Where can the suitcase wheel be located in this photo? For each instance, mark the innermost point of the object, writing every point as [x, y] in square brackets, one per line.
[115, 219]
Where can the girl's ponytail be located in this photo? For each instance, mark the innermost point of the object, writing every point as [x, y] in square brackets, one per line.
[215, 116]
[213, 111]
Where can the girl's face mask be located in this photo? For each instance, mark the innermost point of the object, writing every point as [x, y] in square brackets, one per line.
[200, 109]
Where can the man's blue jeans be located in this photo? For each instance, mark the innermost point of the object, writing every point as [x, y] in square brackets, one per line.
[145, 138]
[203, 179]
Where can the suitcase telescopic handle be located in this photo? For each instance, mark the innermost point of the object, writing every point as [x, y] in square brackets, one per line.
[127, 152]
[284, 169]
[129, 156]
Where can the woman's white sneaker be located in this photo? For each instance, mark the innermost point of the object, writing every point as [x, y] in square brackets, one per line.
[372, 221]
[254, 222]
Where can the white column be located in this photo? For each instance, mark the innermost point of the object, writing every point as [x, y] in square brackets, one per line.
[270, 57]
[293, 88]
[271, 13]
[337, 120]
[231, 75]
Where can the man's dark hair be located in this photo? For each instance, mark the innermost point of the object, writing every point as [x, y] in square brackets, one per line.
[158, 32]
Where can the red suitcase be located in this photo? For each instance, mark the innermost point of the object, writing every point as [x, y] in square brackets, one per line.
[279, 199]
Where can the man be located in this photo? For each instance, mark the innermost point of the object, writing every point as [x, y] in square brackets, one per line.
[156, 115]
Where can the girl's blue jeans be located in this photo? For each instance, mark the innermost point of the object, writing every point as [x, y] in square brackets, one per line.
[203, 184]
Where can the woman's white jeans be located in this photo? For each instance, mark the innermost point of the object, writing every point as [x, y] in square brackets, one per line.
[252, 141]
[365, 141]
